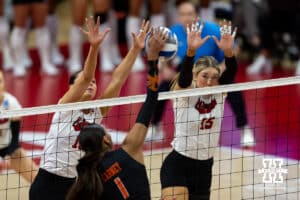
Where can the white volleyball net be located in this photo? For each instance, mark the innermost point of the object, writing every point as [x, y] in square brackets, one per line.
[268, 170]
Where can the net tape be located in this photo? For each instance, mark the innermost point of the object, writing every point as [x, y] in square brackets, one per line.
[141, 98]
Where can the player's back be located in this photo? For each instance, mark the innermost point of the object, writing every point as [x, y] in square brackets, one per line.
[123, 177]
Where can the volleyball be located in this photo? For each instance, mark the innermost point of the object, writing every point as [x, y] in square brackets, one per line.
[171, 46]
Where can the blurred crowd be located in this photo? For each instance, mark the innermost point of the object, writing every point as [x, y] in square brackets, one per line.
[268, 30]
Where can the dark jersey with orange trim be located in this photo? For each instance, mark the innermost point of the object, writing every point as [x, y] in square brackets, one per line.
[123, 177]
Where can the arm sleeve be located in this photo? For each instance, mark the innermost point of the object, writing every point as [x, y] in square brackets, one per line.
[228, 75]
[148, 107]
[15, 131]
[186, 73]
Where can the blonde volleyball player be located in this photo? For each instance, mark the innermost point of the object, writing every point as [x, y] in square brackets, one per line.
[119, 174]
[57, 171]
[186, 172]
[14, 156]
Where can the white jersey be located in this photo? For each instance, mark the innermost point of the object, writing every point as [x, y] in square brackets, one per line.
[61, 152]
[9, 102]
[198, 125]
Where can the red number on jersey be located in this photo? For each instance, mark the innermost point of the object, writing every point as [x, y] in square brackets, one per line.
[207, 123]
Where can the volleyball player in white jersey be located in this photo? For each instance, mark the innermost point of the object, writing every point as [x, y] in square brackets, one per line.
[118, 174]
[58, 163]
[186, 173]
[10, 150]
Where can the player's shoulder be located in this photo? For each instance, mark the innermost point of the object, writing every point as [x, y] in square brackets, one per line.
[9, 95]
[11, 98]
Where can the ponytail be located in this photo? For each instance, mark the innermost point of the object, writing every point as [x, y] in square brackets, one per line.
[88, 184]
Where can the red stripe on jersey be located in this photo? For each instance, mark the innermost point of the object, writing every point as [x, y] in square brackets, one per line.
[121, 187]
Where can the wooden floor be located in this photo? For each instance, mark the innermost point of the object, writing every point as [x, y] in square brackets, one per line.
[235, 176]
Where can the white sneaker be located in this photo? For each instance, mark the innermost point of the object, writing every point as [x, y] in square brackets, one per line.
[298, 68]
[73, 66]
[155, 133]
[7, 59]
[56, 57]
[19, 71]
[138, 65]
[109, 58]
[27, 62]
[115, 55]
[106, 63]
[247, 137]
[109, 52]
[260, 63]
[50, 69]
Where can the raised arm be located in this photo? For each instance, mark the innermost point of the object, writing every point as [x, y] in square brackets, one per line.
[95, 37]
[226, 44]
[194, 41]
[121, 73]
[134, 140]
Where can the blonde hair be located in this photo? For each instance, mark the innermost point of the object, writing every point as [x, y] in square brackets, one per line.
[201, 64]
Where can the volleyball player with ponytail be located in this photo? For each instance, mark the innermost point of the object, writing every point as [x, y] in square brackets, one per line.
[119, 174]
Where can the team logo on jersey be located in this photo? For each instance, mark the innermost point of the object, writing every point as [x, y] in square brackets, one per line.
[111, 171]
[203, 107]
[79, 124]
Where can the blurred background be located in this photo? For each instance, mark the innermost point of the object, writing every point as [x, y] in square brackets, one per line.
[41, 41]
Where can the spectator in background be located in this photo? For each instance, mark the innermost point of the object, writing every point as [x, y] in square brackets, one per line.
[133, 20]
[252, 18]
[206, 12]
[52, 24]
[37, 10]
[287, 12]
[7, 63]
[109, 52]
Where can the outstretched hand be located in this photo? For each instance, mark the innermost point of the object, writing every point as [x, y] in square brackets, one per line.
[139, 40]
[94, 35]
[227, 38]
[156, 42]
[194, 40]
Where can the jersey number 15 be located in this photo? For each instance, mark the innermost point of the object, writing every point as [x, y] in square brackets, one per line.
[207, 123]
